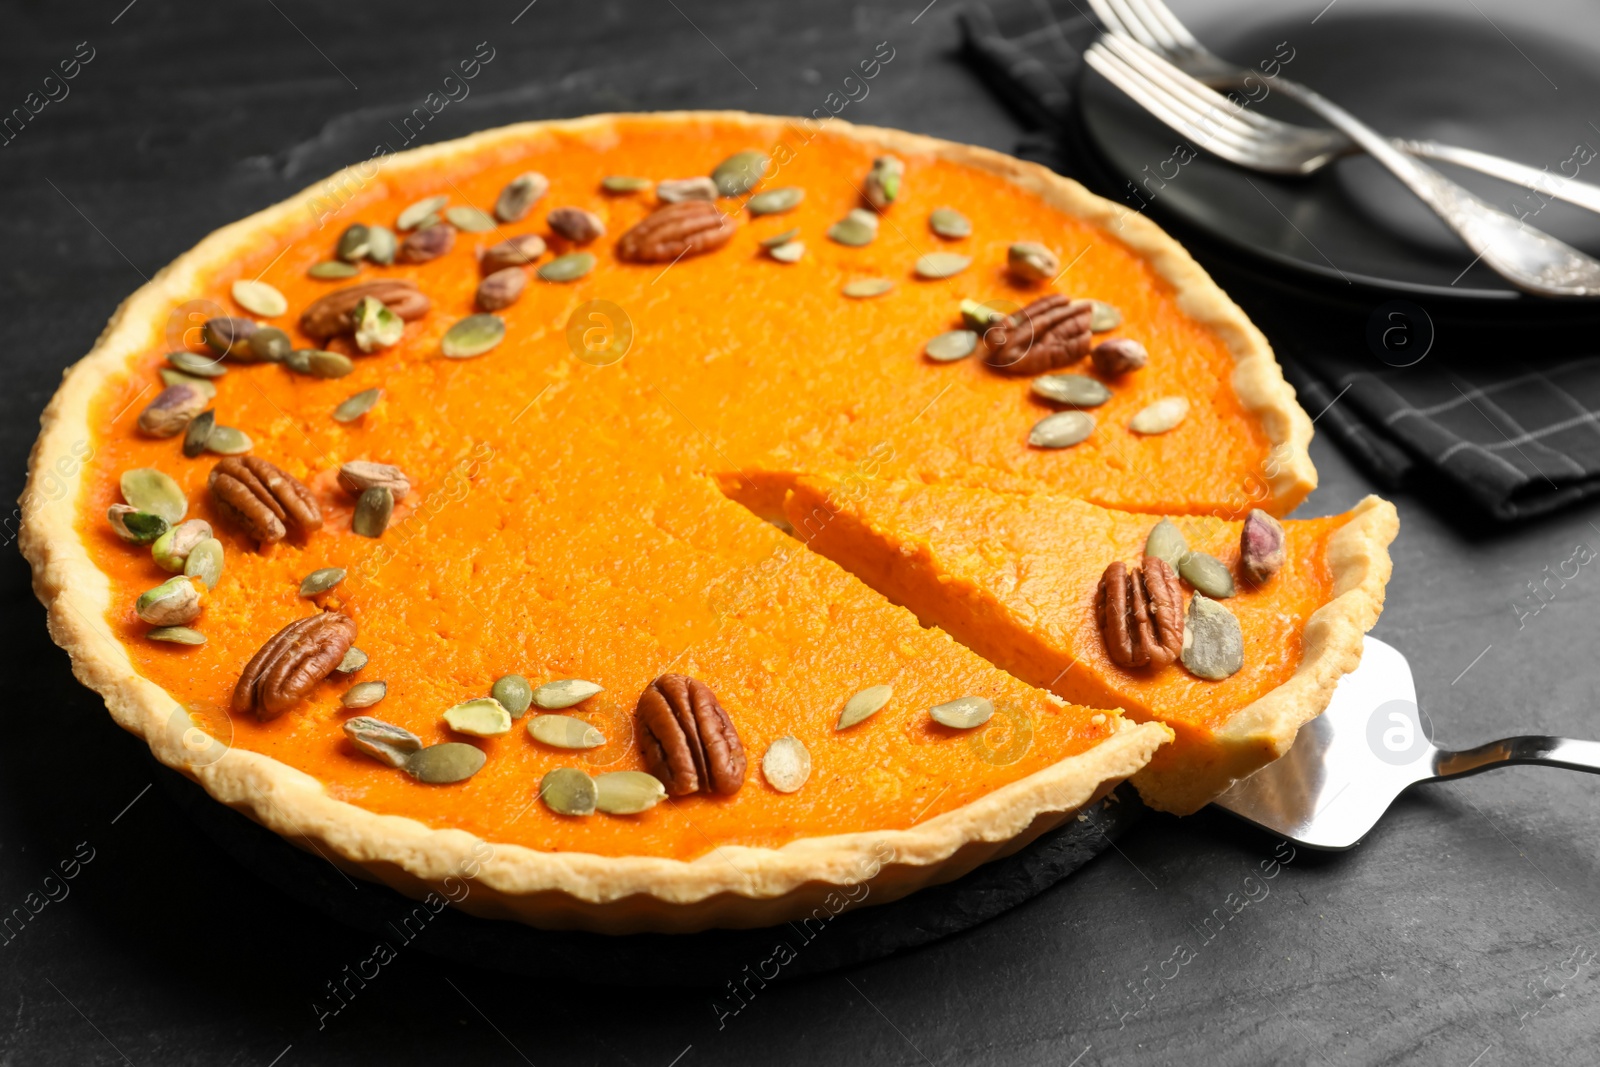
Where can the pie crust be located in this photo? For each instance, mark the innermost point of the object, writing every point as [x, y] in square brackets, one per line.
[731, 886]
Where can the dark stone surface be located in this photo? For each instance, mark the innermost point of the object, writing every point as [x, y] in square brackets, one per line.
[1462, 932]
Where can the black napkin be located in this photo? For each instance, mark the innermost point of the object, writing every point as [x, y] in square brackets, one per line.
[1514, 438]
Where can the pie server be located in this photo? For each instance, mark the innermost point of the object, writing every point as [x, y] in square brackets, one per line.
[1347, 765]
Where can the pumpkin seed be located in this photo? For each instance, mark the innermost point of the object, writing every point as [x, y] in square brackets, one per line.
[177, 635]
[942, 264]
[376, 327]
[619, 183]
[864, 704]
[981, 316]
[1208, 574]
[330, 269]
[1061, 430]
[1104, 317]
[134, 526]
[175, 602]
[565, 692]
[568, 791]
[259, 298]
[948, 347]
[299, 360]
[564, 731]
[1213, 643]
[205, 562]
[197, 365]
[147, 489]
[321, 580]
[789, 252]
[480, 717]
[414, 215]
[469, 219]
[228, 441]
[323, 364]
[453, 761]
[627, 792]
[948, 222]
[198, 433]
[776, 201]
[1163, 415]
[856, 229]
[173, 547]
[739, 173]
[364, 694]
[473, 336]
[354, 659]
[514, 693]
[381, 740]
[567, 268]
[866, 288]
[519, 196]
[269, 344]
[778, 239]
[203, 386]
[353, 244]
[787, 764]
[1166, 542]
[381, 244]
[373, 510]
[1079, 390]
[357, 406]
[964, 713]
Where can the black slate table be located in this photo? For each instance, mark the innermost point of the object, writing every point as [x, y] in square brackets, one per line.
[1463, 931]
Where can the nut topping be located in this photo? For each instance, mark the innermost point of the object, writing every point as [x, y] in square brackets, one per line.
[1140, 611]
[263, 500]
[333, 314]
[430, 242]
[512, 252]
[169, 413]
[687, 739]
[1118, 355]
[1260, 547]
[1051, 332]
[359, 475]
[684, 229]
[576, 225]
[291, 663]
[502, 288]
[678, 190]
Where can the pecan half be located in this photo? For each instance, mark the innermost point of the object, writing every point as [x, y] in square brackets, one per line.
[430, 242]
[331, 315]
[686, 739]
[265, 501]
[1140, 611]
[688, 228]
[291, 663]
[1051, 332]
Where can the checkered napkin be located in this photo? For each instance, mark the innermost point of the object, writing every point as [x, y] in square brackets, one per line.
[1508, 437]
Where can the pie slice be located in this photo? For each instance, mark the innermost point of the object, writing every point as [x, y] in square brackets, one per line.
[1013, 576]
[443, 432]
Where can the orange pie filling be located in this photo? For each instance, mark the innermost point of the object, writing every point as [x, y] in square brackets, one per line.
[563, 521]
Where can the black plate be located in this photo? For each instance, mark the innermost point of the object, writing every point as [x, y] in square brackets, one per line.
[1520, 78]
[712, 958]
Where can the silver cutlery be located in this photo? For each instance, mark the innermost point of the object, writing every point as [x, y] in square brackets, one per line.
[1350, 763]
[1152, 24]
[1527, 257]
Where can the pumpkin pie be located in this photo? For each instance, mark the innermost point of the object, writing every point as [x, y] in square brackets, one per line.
[423, 517]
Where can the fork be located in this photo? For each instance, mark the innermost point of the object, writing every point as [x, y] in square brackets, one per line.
[1152, 24]
[1527, 257]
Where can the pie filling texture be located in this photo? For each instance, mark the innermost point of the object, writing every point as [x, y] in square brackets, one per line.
[564, 520]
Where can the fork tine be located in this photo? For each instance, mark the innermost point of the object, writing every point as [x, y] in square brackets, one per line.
[1215, 133]
[1158, 17]
[1131, 25]
[1225, 140]
[1158, 69]
[1110, 21]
